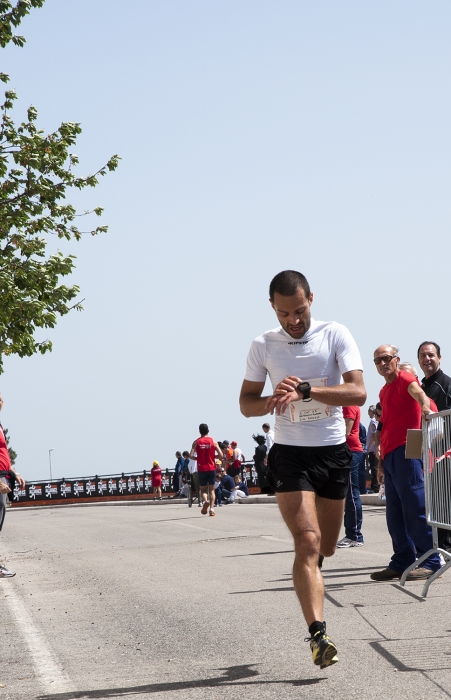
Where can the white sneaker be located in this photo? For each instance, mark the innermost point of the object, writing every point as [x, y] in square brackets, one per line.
[346, 542]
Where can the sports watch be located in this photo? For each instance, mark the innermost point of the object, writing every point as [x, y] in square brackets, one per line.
[304, 389]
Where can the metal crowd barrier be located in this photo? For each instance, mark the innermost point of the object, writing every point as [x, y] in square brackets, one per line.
[437, 487]
[109, 487]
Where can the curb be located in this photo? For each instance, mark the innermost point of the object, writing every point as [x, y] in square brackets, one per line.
[367, 500]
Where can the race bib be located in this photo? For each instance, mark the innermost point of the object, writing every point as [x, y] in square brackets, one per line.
[305, 411]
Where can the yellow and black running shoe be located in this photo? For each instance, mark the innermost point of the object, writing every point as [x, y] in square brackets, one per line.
[324, 651]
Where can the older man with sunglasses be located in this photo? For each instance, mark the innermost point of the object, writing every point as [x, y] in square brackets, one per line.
[403, 405]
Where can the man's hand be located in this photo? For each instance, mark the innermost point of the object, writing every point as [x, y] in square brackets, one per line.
[4, 488]
[380, 472]
[284, 394]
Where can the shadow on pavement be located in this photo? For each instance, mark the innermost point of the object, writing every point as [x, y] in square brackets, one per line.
[232, 677]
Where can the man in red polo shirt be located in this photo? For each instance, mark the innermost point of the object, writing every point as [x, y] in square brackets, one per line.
[206, 449]
[403, 405]
[6, 471]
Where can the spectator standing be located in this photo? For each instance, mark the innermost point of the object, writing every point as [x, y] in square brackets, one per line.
[362, 472]
[353, 505]
[157, 479]
[260, 460]
[178, 471]
[371, 458]
[7, 473]
[437, 385]
[237, 458]
[403, 404]
[206, 449]
[190, 467]
[269, 435]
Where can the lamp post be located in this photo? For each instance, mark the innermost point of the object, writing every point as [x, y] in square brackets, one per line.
[50, 462]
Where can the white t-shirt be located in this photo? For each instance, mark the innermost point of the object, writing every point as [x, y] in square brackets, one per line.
[327, 350]
[269, 437]
[192, 465]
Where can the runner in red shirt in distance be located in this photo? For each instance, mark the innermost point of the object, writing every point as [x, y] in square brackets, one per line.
[206, 449]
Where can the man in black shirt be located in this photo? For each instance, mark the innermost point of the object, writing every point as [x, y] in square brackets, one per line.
[437, 386]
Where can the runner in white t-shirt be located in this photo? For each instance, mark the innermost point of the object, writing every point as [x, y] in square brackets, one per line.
[315, 369]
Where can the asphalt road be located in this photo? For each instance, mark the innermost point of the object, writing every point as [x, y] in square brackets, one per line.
[162, 602]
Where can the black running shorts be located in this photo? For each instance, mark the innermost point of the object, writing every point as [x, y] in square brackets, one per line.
[324, 470]
[207, 478]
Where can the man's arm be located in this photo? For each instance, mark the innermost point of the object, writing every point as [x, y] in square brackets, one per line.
[252, 403]
[418, 394]
[218, 450]
[349, 423]
[351, 393]
[193, 449]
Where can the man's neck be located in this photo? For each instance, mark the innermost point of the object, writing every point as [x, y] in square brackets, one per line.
[390, 378]
[428, 375]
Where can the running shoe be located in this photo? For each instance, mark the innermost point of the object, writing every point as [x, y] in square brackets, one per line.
[4, 573]
[346, 542]
[204, 510]
[324, 651]
[212, 512]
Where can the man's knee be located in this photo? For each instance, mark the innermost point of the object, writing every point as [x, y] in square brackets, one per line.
[307, 543]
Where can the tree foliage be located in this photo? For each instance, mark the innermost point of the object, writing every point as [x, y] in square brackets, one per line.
[36, 171]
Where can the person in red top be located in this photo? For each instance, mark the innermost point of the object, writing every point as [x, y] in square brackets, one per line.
[156, 476]
[353, 504]
[206, 449]
[403, 405]
[6, 472]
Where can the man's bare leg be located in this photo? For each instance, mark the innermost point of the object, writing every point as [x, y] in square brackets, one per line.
[203, 493]
[315, 525]
[211, 489]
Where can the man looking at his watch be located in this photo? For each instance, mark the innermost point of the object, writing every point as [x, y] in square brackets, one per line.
[317, 365]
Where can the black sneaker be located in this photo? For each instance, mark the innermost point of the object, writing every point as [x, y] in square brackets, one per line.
[324, 651]
[4, 573]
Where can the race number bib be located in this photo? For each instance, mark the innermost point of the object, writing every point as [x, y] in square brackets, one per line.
[305, 411]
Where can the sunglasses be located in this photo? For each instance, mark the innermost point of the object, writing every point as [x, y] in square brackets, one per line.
[384, 358]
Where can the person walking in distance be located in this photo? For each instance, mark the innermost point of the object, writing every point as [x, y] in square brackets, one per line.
[403, 405]
[206, 449]
[7, 472]
[157, 479]
[315, 369]
[353, 505]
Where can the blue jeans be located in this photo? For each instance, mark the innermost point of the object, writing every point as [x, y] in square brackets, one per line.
[353, 504]
[405, 511]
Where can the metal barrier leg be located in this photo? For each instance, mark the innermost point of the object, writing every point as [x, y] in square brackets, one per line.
[432, 578]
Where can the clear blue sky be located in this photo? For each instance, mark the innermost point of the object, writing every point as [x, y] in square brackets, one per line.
[255, 136]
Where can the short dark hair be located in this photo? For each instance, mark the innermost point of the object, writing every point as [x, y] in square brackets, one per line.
[203, 429]
[429, 342]
[185, 453]
[266, 425]
[378, 406]
[178, 454]
[287, 283]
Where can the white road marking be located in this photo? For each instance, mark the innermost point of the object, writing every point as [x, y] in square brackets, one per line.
[48, 671]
